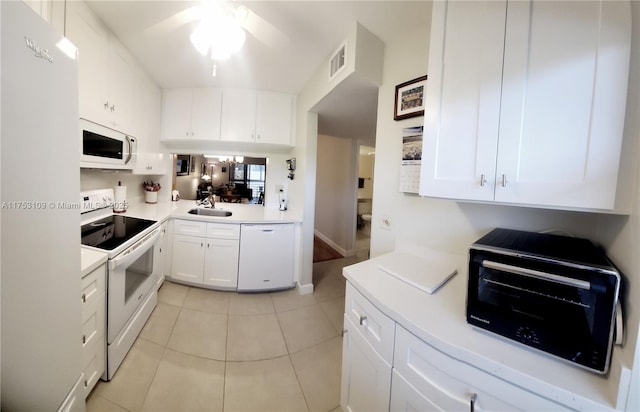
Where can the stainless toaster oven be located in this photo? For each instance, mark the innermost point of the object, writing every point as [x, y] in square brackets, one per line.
[555, 294]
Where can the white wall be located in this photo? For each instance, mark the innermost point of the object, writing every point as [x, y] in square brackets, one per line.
[91, 179]
[452, 226]
[336, 183]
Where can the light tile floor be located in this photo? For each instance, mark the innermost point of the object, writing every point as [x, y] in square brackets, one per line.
[205, 350]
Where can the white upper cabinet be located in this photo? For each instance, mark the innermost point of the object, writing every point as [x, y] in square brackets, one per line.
[106, 75]
[147, 115]
[257, 116]
[526, 103]
[191, 114]
[463, 100]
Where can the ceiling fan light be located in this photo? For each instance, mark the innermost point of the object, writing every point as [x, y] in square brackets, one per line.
[236, 38]
[200, 38]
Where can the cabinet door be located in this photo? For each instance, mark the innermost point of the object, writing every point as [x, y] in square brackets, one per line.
[221, 263]
[120, 87]
[463, 100]
[92, 40]
[176, 114]
[205, 114]
[161, 250]
[566, 66]
[238, 115]
[366, 378]
[188, 258]
[274, 112]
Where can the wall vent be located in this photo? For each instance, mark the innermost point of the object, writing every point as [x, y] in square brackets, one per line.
[338, 61]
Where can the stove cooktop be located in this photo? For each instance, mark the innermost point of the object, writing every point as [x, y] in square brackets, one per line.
[112, 231]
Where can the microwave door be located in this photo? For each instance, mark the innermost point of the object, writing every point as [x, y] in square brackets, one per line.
[99, 146]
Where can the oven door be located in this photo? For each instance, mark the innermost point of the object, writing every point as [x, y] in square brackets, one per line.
[132, 274]
[559, 309]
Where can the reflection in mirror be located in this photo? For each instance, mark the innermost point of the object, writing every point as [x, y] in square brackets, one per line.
[234, 179]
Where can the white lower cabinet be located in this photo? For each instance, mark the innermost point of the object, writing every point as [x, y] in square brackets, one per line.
[406, 398]
[448, 384]
[93, 327]
[386, 367]
[206, 254]
[366, 376]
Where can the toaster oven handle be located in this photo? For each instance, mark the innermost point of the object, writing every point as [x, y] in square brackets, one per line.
[582, 284]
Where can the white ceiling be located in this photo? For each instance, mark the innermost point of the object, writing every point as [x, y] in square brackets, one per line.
[309, 31]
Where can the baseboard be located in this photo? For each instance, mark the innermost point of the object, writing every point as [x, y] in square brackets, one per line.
[306, 289]
[342, 251]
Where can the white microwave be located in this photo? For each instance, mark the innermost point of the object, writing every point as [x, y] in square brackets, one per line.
[105, 148]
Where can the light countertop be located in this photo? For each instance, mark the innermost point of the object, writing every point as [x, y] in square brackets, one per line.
[91, 259]
[241, 213]
[439, 319]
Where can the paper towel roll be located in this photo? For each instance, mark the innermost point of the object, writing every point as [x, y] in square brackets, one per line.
[120, 199]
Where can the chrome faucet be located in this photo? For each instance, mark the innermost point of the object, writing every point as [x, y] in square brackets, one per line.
[211, 199]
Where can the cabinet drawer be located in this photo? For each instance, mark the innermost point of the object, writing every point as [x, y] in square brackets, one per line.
[377, 328]
[93, 286]
[93, 322]
[450, 383]
[406, 398]
[223, 231]
[189, 228]
[93, 363]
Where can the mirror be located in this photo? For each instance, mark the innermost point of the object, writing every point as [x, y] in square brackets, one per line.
[231, 178]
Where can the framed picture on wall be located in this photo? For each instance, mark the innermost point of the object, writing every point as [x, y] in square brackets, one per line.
[182, 165]
[409, 100]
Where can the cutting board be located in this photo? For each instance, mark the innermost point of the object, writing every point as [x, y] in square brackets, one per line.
[427, 272]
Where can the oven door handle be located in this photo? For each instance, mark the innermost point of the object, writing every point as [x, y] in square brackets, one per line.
[582, 284]
[134, 252]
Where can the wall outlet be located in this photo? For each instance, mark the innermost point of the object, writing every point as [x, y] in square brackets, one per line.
[385, 222]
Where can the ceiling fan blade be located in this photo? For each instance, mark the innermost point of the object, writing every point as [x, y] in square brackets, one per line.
[174, 22]
[264, 31]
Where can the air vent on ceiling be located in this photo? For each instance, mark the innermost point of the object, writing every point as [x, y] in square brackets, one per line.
[338, 61]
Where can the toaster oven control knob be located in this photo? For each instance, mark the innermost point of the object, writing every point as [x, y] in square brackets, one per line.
[528, 336]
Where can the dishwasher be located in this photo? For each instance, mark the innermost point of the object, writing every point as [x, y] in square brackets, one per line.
[266, 257]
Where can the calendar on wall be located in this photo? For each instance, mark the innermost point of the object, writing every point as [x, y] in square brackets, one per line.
[411, 159]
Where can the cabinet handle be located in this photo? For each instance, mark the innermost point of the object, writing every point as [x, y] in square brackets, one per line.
[113, 108]
[344, 332]
[258, 137]
[483, 180]
[472, 402]
[504, 180]
[86, 383]
[106, 105]
[84, 298]
[84, 339]
[363, 320]
[187, 134]
[201, 244]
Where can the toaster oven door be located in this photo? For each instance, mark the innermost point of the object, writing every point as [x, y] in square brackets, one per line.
[562, 310]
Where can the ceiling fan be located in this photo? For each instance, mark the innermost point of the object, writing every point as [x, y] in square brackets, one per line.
[223, 20]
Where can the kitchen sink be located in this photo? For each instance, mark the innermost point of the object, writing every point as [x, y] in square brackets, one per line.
[210, 212]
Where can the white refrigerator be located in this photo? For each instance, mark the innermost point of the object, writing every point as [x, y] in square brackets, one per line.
[40, 309]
